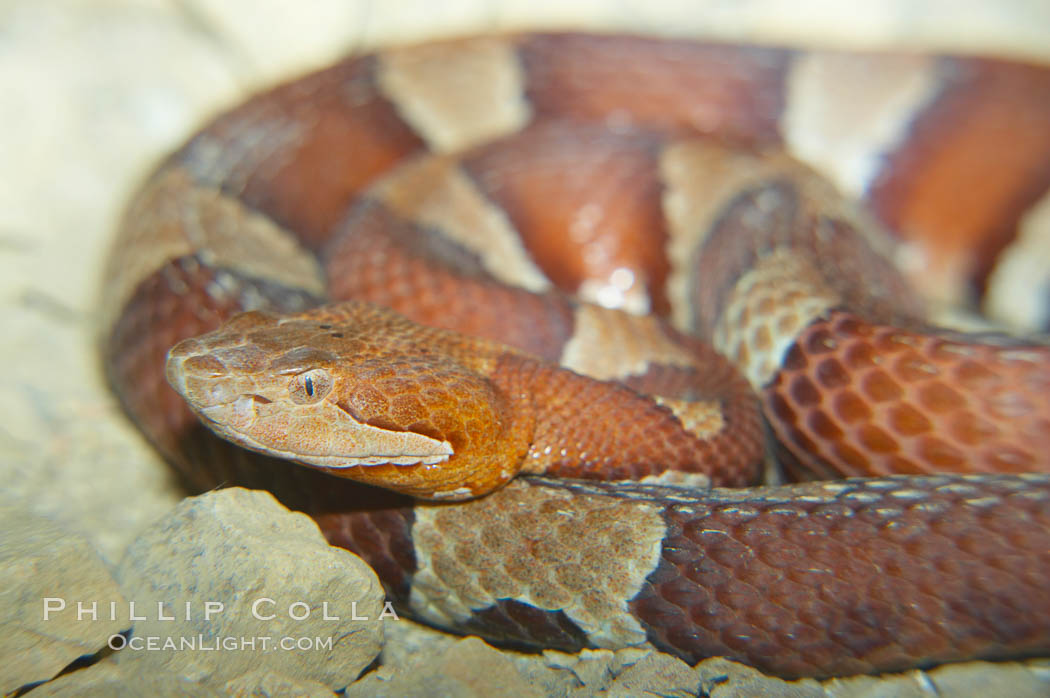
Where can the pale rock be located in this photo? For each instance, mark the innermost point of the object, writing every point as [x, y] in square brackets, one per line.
[1029, 679]
[911, 684]
[657, 673]
[242, 549]
[38, 561]
[407, 640]
[113, 680]
[263, 683]
[721, 678]
[467, 668]
[982, 679]
[584, 673]
[908, 684]
[548, 681]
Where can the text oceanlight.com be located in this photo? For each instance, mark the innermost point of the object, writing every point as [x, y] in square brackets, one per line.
[200, 643]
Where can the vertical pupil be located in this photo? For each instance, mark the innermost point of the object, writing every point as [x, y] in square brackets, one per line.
[308, 383]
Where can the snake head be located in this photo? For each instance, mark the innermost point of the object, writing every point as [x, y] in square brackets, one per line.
[359, 393]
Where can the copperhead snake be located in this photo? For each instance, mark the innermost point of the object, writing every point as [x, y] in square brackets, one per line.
[574, 196]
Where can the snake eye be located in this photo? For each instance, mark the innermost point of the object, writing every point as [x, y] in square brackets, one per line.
[310, 386]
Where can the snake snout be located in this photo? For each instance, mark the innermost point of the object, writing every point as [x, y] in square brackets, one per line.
[202, 379]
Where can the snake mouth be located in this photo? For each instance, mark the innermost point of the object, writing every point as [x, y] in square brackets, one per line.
[322, 436]
[326, 461]
[238, 414]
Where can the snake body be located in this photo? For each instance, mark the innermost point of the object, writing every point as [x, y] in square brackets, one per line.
[553, 195]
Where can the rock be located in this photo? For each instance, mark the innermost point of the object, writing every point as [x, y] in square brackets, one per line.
[232, 579]
[113, 680]
[721, 678]
[908, 684]
[586, 672]
[47, 571]
[406, 641]
[979, 680]
[660, 674]
[67, 451]
[469, 667]
[537, 672]
[912, 684]
[595, 669]
[263, 683]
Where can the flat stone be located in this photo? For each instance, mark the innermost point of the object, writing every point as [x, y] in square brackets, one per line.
[263, 683]
[406, 640]
[467, 668]
[47, 572]
[113, 680]
[595, 669]
[721, 678]
[660, 674]
[232, 579]
[982, 679]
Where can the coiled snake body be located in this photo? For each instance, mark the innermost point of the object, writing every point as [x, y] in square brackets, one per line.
[521, 190]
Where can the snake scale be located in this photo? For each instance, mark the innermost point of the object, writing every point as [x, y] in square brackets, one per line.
[595, 212]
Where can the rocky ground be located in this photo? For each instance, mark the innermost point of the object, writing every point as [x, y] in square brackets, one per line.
[92, 92]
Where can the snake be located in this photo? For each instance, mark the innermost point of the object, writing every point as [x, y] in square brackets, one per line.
[533, 324]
